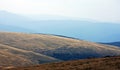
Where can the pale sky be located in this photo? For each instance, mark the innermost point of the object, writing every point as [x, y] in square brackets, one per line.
[101, 10]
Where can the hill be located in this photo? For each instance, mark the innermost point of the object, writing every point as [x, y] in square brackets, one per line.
[5, 27]
[108, 63]
[61, 48]
[113, 43]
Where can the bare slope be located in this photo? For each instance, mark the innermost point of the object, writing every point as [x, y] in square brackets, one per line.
[109, 63]
[58, 47]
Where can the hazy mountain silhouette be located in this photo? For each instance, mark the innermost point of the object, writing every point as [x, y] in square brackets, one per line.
[11, 28]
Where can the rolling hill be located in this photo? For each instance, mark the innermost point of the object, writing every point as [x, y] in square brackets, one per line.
[44, 48]
[109, 63]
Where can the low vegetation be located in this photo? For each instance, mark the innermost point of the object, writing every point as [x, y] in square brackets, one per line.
[108, 63]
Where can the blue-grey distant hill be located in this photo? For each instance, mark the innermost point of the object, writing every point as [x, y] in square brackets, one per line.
[13, 28]
[87, 30]
[114, 43]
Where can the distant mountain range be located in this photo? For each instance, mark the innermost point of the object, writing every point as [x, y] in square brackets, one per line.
[81, 29]
[19, 49]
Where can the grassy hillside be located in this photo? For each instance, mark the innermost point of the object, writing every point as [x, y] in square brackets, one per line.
[109, 63]
[58, 47]
[31, 49]
[10, 56]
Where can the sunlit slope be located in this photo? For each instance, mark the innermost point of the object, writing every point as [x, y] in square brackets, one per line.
[58, 47]
[10, 56]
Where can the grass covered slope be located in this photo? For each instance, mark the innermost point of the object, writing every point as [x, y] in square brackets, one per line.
[7, 58]
[10, 56]
[57, 47]
[109, 63]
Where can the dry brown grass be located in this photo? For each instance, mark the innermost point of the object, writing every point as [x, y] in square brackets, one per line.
[109, 63]
[42, 41]
[24, 49]
[10, 56]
